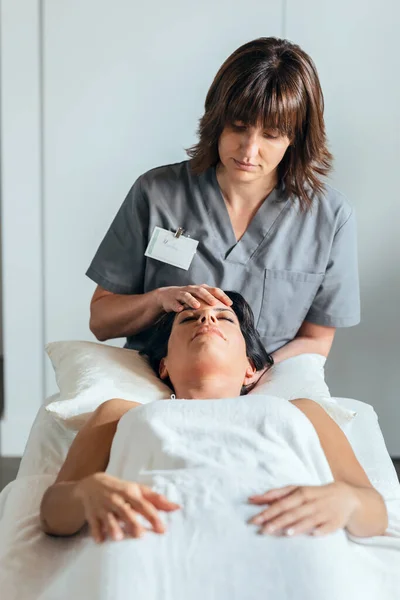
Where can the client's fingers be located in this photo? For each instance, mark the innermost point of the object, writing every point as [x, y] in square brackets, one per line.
[135, 529]
[146, 509]
[95, 529]
[272, 495]
[325, 528]
[113, 529]
[304, 526]
[129, 517]
[160, 501]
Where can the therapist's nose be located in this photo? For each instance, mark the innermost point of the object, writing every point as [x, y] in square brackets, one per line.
[250, 144]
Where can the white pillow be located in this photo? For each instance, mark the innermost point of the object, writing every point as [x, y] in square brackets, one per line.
[303, 376]
[89, 373]
[297, 377]
[369, 446]
[47, 445]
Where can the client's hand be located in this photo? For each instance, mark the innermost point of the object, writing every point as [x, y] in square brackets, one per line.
[317, 510]
[108, 501]
[172, 299]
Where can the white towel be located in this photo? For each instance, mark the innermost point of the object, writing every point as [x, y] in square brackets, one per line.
[209, 456]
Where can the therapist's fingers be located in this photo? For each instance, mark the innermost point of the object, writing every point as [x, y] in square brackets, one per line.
[187, 298]
[210, 294]
[204, 293]
[176, 306]
[219, 294]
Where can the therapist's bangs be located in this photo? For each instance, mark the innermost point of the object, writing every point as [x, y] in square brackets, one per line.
[267, 104]
[273, 83]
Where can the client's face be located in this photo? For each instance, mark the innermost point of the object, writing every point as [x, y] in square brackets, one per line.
[207, 344]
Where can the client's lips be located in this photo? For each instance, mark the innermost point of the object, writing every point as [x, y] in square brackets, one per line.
[208, 329]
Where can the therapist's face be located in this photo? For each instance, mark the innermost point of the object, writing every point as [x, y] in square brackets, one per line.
[249, 153]
[207, 344]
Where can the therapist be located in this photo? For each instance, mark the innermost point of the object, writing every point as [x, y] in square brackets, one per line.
[249, 212]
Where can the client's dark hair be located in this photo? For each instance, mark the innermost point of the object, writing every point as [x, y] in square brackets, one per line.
[157, 345]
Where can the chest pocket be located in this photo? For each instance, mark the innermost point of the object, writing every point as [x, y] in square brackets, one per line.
[287, 298]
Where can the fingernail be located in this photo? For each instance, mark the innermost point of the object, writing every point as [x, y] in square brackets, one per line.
[270, 528]
[290, 531]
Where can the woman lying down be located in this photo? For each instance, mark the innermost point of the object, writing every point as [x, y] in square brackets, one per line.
[213, 493]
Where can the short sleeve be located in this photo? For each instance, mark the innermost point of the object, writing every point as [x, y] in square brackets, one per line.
[118, 265]
[337, 302]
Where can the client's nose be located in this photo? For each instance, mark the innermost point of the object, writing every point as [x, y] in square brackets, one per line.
[208, 317]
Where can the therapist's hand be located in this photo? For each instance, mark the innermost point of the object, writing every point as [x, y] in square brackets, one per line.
[109, 501]
[173, 298]
[316, 510]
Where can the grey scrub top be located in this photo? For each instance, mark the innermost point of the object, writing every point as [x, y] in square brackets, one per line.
[289, 265]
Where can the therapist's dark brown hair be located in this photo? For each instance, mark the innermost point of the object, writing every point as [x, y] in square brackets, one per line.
[272, 82]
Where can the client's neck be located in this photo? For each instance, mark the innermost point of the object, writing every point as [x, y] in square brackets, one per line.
[207, 388]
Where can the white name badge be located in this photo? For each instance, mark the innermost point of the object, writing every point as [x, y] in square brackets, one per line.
[166, 247]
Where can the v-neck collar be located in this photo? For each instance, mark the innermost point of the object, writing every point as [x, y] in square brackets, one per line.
[259, 228]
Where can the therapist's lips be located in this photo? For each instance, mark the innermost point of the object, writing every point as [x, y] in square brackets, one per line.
[208, 329]
[245, 166]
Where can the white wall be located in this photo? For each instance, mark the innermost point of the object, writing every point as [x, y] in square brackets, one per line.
[108, 93]
[1, 285]
[21, 220]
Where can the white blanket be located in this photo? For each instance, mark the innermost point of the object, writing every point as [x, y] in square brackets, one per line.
[209, 456]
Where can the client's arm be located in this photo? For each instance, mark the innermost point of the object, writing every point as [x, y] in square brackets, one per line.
[350, 502]
[370, 515]
[83, 492]
[61, 510]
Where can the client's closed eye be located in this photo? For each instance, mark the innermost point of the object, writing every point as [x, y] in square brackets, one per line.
[189, 319]
[195, 319]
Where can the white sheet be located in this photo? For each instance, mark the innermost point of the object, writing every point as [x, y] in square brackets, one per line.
[209, 456]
